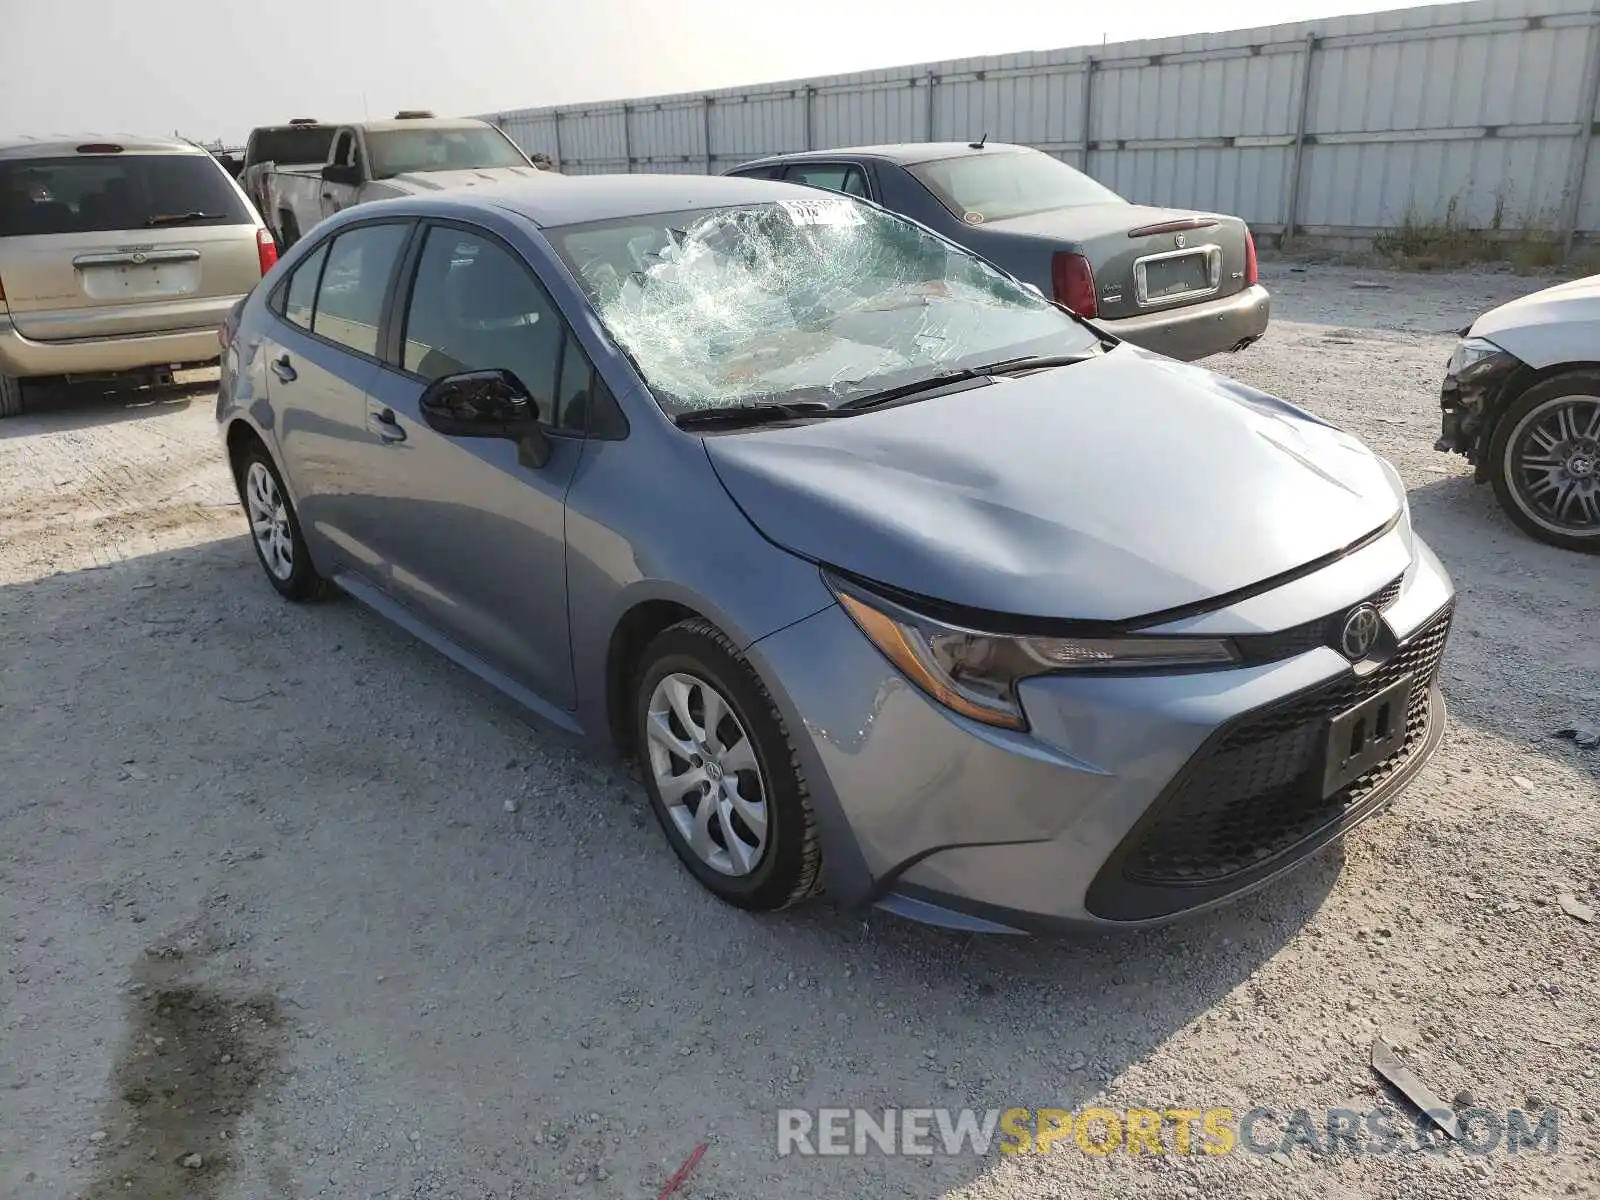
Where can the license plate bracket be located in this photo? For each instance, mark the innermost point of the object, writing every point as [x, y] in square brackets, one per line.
[1364, 735]
[1177, 275]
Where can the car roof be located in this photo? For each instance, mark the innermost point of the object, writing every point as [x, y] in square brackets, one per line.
[904, 153]
[61, 145]
[573, 199]
[422, 123]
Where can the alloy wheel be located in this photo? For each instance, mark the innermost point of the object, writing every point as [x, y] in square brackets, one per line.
[1554, 464]
[269, 521]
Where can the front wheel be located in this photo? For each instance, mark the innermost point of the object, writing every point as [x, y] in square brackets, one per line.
[722, 775]
[274, 527]
[1546, 461]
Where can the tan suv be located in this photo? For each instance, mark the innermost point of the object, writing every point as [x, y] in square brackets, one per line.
[118, 257]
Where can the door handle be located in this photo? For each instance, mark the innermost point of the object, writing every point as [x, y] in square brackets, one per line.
[284, 369]
[327, 195]
[385, 424]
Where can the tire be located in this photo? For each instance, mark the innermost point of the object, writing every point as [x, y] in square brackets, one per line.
[750, 738]
[290, 229]
[10, 396]
[1545, 461]
[274, 528]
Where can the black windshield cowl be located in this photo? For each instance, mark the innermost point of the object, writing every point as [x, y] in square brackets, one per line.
[735, 415]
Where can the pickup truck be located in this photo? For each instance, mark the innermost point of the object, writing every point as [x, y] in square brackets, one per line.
[378, 160]
[301, 145]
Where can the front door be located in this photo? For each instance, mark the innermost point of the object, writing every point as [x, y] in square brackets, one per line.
[475, 539]
[347, 153]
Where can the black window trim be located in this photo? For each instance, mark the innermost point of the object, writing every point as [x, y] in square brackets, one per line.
[392, 336]
[276, 303]
[279, 300]
[846, 163]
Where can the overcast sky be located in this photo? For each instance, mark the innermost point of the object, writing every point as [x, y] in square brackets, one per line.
[210, 68]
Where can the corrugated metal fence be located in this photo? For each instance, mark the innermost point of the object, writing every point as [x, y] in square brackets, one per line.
[1480, 115]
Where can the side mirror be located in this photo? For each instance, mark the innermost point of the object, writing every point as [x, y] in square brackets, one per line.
[347, 173]
[487, 404]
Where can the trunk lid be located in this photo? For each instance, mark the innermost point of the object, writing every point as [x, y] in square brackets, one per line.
[1178, 257]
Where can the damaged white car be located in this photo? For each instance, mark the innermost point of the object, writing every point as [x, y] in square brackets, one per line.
[1521, 400]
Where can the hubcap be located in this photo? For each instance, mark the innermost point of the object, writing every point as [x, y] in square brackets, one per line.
[706, 771]
[269, 521]
[1554, 464]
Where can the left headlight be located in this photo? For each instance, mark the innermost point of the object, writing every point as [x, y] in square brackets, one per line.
[976, 673]
[1469, 352]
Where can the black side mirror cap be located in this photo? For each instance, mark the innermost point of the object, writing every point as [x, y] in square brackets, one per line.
[341, 173]
[479, 404]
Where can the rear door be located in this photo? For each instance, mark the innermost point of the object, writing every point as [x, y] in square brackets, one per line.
[322, 355]
[116, 244]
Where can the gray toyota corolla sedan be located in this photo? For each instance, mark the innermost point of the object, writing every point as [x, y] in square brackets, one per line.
[886, 570]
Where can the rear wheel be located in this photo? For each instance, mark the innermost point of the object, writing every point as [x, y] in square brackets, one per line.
[1546, 461]
[274, 528]
[10, 396]
[722, 775]
[290, 229]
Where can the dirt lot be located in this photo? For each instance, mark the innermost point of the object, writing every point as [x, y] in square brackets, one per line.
[264, 902]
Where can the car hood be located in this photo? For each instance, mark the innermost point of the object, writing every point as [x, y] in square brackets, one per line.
[417, 182]
[1560, 324]
[1119, 487]
[1083, 223]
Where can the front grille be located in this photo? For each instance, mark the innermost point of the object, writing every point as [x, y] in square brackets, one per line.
[1257, 648]
[1255, 790]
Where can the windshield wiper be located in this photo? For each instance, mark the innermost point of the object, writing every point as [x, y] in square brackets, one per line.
[758, 414]
[182, 218]
[1030, 362]
[1026, 362]
[900, 391]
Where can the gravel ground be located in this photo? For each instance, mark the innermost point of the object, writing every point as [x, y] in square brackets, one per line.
[291, 907]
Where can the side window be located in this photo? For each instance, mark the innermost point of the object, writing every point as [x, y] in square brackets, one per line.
[350, 299]
[475, 306]
[834, 177]
[302, 292]
[344, 149]
[576, 386]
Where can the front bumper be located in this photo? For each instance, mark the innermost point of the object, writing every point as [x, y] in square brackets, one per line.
[1197, 330]
[24, 358]
[1132, 800]
[1470, 403]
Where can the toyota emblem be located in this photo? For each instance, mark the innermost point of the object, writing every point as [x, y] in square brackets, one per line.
[140, 257]
[1360, 632]
[1179, 240]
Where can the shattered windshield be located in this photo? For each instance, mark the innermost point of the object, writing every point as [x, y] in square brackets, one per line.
[823, 299]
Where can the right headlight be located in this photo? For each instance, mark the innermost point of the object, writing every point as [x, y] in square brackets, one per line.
[976, 673]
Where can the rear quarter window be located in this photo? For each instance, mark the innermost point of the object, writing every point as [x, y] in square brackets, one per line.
[105, 192]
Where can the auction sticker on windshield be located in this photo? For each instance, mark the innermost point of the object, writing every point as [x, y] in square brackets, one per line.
[822, 212]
